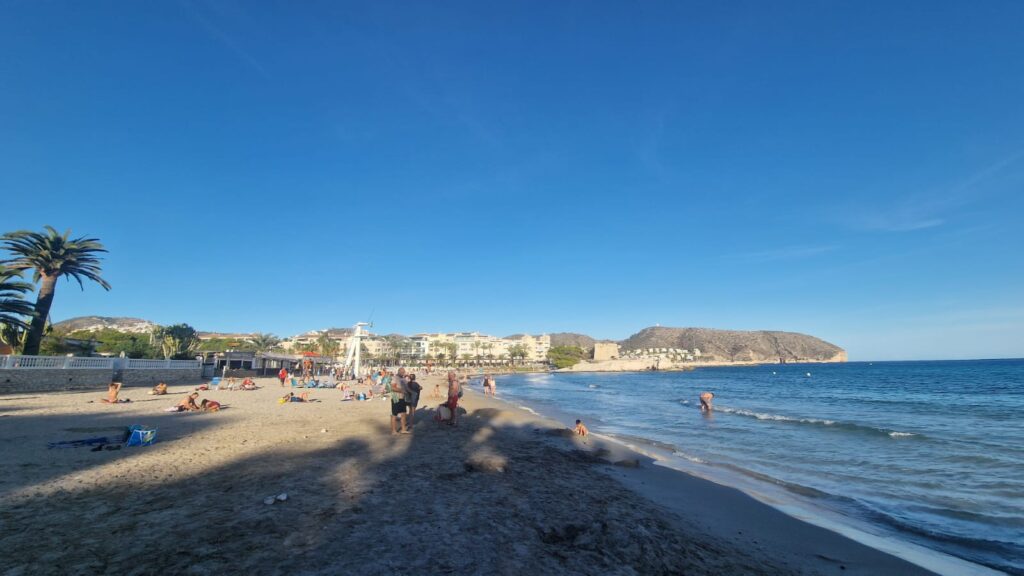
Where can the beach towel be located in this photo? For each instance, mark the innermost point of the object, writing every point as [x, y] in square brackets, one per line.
[99, 440]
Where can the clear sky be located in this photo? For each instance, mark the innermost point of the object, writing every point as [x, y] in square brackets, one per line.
[852, 170]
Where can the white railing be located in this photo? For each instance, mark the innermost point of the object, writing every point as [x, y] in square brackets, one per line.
[78, 363]
[145, 364]
[53, 362]
[90, 363]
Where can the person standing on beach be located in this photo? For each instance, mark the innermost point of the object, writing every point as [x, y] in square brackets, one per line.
[394, 388]
[705, 401]
[454, 392]
[282, 376]
[412, 398]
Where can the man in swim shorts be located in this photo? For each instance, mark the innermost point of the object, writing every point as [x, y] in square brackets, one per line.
[395, 388]
[705, 401]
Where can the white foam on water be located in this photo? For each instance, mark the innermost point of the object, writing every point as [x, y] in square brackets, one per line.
[776, 417]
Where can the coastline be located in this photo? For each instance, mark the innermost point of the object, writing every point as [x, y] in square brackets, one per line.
[807, 538]
[644, 365]
[506, 492]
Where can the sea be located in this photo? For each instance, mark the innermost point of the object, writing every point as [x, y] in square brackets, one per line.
[929, 453]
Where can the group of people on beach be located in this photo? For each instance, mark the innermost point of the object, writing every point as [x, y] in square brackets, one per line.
[191, 403]
[404, 392]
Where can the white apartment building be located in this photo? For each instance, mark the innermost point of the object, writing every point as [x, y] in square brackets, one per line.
[467, 345]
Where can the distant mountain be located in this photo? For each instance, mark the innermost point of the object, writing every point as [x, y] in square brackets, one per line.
[571, 339]
[135, 325]
[736, 345]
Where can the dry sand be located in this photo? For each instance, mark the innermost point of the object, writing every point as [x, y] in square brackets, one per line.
[503, 493]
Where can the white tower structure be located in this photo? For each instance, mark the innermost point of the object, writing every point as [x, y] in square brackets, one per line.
[352, 358]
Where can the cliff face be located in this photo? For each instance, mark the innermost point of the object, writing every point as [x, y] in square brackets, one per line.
[738, 346]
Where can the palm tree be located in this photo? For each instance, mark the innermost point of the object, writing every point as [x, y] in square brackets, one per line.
[264, 342]
[13, 307]
[51, 255]
[325, 346]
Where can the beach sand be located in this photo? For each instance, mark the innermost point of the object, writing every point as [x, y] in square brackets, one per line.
[505, 492]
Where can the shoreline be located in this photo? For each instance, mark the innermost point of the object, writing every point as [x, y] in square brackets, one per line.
[661, 473]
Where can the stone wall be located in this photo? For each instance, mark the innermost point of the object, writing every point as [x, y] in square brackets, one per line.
[151, 377]
[48, 380]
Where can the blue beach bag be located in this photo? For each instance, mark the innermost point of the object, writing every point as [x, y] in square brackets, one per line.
[140, 436]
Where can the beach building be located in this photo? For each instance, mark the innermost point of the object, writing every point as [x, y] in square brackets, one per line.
[606, 351]
[536, 346]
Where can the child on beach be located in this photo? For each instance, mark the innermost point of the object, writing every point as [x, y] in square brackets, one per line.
[581, 430]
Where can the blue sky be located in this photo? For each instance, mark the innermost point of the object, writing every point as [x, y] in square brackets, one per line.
[852, 170]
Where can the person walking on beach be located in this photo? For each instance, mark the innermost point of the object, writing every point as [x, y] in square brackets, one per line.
[705, 401]
[282, 376]
[394, 388]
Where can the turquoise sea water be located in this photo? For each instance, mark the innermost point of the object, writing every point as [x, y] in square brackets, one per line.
[932, 452]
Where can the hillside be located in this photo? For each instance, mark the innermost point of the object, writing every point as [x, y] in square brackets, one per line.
[735, 345]
[572, 339]
[134, 325]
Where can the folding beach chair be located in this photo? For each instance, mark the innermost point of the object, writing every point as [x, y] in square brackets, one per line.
[215, 383]
[140, 436]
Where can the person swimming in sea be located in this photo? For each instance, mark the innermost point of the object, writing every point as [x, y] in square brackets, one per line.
[705, 401]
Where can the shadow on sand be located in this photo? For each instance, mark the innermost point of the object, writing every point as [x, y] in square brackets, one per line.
[480, 498]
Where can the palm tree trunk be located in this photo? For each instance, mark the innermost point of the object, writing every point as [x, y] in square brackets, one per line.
[43, 303]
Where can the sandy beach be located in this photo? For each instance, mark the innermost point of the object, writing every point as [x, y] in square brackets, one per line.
[505, 492]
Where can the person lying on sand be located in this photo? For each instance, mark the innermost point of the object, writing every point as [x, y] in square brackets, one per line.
[705, 401]
[248, 384]
[291, 397]
[159, 390]
[581, 430]
[209, 405]
[112, 389]
[189, 403]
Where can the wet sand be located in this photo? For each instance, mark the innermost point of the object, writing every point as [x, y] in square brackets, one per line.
[505, 492]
